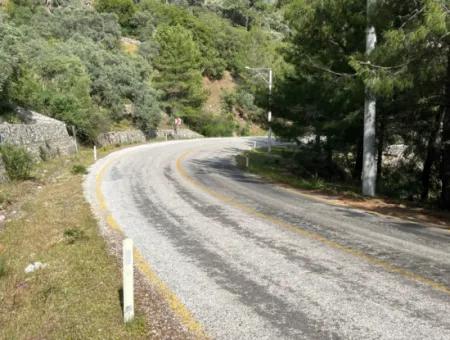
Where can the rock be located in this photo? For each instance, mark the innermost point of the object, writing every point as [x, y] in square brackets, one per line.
[34, 266]
[2, 218]
[130, 41]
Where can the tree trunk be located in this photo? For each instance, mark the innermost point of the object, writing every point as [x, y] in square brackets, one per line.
[431, 156]
[445, 195]
[369, 173]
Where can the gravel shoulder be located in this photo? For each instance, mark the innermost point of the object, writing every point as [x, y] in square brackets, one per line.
[252, 260]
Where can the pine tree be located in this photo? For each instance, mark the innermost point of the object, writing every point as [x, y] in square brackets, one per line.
[178, 73]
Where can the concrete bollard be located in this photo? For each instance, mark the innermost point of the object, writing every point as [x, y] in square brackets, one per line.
[128, 280]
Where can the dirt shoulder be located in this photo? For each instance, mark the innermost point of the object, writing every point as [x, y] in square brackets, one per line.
[383, 206]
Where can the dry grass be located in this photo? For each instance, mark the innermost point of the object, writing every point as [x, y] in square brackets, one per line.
[77, 295]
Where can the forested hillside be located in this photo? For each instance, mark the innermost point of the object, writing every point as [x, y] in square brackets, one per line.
[66, 59]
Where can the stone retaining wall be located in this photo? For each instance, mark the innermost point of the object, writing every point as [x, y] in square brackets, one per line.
[170, 133]
[42, 136]
[120, 138]
[137, 136]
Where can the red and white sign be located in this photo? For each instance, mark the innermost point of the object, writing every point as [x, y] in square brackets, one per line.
[178, 121]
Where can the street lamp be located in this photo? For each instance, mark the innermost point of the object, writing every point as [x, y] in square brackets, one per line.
[269, 112]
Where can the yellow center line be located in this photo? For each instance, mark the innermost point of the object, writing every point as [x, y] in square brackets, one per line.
[175, 304]
[307, 233]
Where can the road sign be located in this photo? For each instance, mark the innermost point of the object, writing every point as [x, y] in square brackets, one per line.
[178, 121]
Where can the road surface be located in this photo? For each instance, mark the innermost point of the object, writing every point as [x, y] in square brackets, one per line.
[251, 260]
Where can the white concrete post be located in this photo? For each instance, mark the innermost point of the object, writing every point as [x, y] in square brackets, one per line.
[247, 161]
[254, 145]
[128, 284]
[95, 153]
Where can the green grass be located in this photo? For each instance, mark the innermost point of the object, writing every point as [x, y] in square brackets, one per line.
[77, 295]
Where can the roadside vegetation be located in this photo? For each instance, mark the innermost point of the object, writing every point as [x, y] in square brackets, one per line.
[76, 293]
[305, 169]
[407, 74]
[17, 161]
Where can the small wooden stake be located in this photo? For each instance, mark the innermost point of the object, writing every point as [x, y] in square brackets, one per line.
[128, 284]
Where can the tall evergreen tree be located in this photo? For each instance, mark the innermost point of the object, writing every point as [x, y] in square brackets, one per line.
[178, 75]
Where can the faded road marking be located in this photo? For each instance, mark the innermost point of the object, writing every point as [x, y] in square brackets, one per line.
[175, 304]
[310, 234]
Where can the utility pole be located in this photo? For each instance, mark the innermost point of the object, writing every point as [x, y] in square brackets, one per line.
[369, 173]
[269, 111]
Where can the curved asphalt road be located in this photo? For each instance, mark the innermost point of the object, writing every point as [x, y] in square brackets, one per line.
[251, 260]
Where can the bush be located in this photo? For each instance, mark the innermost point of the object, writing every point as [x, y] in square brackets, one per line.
[18, 162]
[79, 169]
[124, 9]
[73, 235]
[211, 126]
[5, 199]
[2, 267]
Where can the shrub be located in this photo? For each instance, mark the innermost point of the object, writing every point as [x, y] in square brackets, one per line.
[5, 199]
[79, 169]
[124, 9]
[18, 162]
[74, 234]
[217, 126]
[2, 267]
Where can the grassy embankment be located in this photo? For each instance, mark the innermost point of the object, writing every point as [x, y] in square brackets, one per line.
[77, 295]
[278, 167]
